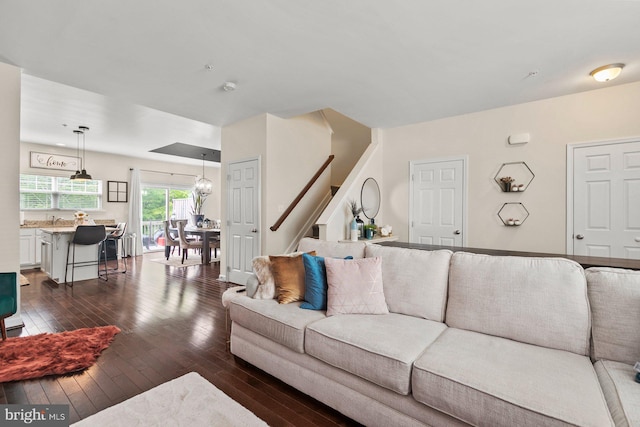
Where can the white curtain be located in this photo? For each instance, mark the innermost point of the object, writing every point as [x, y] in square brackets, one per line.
[135, 210]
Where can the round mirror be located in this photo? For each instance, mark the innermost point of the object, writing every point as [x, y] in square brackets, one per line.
[370, 198]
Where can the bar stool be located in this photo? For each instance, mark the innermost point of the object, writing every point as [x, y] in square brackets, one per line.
[86, 235]
[116, 237]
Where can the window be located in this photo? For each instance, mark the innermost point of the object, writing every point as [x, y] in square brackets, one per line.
[54, 192]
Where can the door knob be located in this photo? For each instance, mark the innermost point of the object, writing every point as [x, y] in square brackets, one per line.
[456, 232]
[254, 230]
[637, 239]
[579, 236]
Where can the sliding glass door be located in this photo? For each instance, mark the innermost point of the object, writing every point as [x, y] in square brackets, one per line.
[160, 203]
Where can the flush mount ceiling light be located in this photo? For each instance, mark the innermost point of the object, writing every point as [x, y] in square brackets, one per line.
[203, 185]
[229, 86]
[606, 72]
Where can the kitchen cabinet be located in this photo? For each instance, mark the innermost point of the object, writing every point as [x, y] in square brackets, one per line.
[29, 247]
[46, 254]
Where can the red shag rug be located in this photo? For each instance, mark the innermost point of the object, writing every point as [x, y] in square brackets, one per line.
[35, 356]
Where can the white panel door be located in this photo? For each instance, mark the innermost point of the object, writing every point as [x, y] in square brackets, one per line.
[607, 200]
[243, 224]
[437, 200]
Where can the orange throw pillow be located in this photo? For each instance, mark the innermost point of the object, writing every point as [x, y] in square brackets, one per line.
[288, 273]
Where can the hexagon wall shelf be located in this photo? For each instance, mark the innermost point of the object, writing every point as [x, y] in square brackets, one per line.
[519, 172]
[513, 214]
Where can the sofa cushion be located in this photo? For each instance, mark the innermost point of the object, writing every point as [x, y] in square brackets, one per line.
[614, 295]
[325, 248]
[315, 282]
[266, 288]
[541, 301]
[621, 391]
[378, 348]
[487, 380]
[262, 269]
[417, 278]
[288, 275]
[283, 324]
[355, 286]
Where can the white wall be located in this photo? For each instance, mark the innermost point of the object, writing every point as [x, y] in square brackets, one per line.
[599, 115]
[336, 219]
[348, 142]
[10, 143]
[243, 140]
[111, 167]
[296, 149]
[290, 152]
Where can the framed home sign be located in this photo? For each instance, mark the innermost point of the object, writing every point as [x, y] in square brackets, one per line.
[54, 161]
[117, 191]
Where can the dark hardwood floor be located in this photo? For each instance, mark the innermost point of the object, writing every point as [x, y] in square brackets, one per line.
[172, 322]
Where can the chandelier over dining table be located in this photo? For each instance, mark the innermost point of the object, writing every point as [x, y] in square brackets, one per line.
[203, 186]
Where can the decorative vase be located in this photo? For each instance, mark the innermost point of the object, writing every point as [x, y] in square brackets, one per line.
[360, 227]
[197, 219]
[354, 230]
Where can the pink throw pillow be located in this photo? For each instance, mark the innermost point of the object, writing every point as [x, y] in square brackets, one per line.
[355, 286]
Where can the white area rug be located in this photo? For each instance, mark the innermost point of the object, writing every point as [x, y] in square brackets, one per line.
[189, 400]
[176, 261]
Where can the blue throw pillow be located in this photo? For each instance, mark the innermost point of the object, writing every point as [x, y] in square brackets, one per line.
[315, 282]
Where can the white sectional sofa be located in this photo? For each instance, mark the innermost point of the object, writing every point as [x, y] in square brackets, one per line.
[469, 340]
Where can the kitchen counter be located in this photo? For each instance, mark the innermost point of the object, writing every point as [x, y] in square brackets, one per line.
[54, 246]
[60, 230]
[62, 223]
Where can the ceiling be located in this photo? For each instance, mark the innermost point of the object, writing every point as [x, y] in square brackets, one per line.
[136, 72]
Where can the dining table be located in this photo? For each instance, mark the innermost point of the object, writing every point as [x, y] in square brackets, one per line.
[205, 235]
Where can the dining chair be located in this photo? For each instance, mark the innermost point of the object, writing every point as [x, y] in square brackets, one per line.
[86, 235]
[8, 299]
[214, 243]
[170, 241]
[186, 244]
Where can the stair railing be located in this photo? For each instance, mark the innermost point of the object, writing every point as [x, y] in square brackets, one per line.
[299, 197]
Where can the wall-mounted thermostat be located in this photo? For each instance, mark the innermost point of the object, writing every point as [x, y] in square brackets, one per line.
[520, 138]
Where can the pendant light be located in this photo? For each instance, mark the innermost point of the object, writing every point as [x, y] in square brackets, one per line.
[83, 176]
[79, 165]
[203, 185]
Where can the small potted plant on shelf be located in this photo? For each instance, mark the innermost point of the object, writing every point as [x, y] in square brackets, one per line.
[370, 230]
[506, 183]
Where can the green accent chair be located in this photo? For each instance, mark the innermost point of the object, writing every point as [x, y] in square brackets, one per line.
[8, 299]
